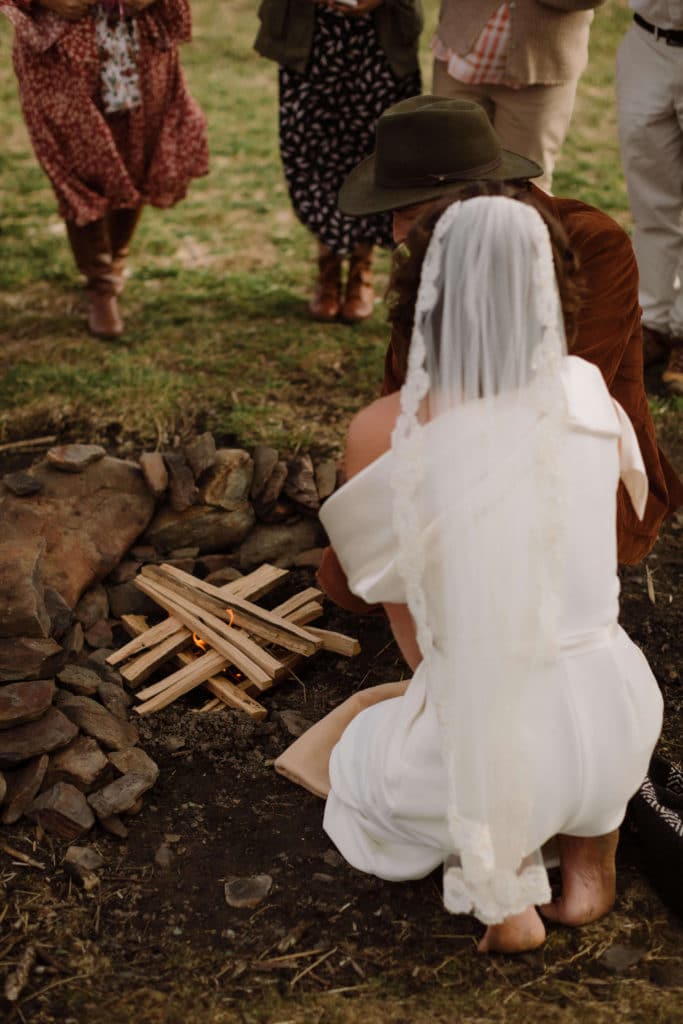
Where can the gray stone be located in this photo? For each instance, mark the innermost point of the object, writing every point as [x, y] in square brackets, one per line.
[326, 478]
[88, 521]
[283, 511]
[209, 529]
[22, 595]
[115, 699]
[135, 761]
[79, 680]
[127, 599]
[120, 796]
[620, 957]
[272, 489]
[100, 635]
[82, 863]
[61, 616]
[75, 458]
[200, 453]
[223, 576]
[29, 658]
[212, 563]
[96, 721]
[265, 460]
[115, 826]
[143, 553]
[48, 733]
[300, 483]
[25, 702]
[278, 543]
[97, 661]
[247, 892]
[92, 607]
[82, 764]
[74, 640]
[22, 484]
[155, 473]
[183, 554]
[63, 811]
[310, 559]
[182, 492]
[227, 483]
[164, 856]
[124, 572]
[22, 787]
[294, 723]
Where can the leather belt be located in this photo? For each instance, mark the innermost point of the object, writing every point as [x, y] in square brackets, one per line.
[673, 36]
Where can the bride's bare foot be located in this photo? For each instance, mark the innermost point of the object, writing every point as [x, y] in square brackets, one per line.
[517, 934]
[588, 879]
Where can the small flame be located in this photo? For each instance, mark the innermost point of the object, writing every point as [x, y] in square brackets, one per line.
[202, 644]
[232, 616]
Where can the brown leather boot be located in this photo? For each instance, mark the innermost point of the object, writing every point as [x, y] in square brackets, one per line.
[327, 294]
[92, 252]
[359, 301]
[672, 378]
[121, 224]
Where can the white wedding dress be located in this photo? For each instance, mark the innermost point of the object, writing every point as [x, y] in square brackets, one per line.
[600, 711]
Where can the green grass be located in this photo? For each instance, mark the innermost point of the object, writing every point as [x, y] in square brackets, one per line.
[217, 333]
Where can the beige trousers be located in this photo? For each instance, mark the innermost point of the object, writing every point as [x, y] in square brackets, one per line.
[532, 121]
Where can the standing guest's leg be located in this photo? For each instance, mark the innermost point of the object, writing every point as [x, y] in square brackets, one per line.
[92, 251]
[444, 84]
[534, 122]
[359, 300]
[650, 112]
[121, 225]
[327, 292]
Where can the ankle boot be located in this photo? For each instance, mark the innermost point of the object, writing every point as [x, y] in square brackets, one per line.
[92, 252]
[359, 301]
[121, 224]
[327, 294]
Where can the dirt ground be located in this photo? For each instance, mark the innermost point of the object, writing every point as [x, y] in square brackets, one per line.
[328, 944]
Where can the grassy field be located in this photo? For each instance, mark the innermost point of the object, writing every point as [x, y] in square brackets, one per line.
[217, 333]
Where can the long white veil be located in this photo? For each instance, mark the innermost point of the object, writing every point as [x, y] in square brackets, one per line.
[479, 441]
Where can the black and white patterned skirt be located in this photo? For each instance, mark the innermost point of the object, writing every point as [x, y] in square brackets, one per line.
[327, 125]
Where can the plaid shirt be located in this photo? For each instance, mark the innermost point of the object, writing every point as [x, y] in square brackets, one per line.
[487, 59]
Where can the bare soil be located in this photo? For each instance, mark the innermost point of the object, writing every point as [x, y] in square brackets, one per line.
[328, 944]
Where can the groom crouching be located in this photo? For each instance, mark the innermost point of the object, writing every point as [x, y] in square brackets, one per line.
[428, 148]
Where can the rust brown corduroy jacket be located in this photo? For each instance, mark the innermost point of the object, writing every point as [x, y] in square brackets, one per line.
[609, 335]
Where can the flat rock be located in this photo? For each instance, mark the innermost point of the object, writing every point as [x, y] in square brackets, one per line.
[100, 635]
[79, 680]
[88, 521]
[60, 615]
[212, 563]
[75, 458]
[155, 473]
[265, 460]
[124, 572]
[94, 720]
[115, 699]
[25, 702]
[29, 658]
[93, 606]
[135, 761]
[278, 543]
[620, 957]
[82, 863]
[120, 795]
[200, 453]
[127, 599]
[209, 529]
[63, 811]
[22, 594]
[82, 764]
[48, 733]
[300, 483]
[223, 576]
[22, 484]
[294, 723]
[22, 788]
[74, 641]
[182, 491]
[227, 483]
[247, 892]
[325, 478]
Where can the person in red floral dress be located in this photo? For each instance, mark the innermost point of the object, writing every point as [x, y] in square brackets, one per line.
[111, 121]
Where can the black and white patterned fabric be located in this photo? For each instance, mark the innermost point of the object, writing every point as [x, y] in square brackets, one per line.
[656, 815]
[327, 125]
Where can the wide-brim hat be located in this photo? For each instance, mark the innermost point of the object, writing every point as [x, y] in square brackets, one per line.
[426, 147]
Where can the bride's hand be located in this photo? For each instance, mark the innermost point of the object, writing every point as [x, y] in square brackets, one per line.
[70, 10]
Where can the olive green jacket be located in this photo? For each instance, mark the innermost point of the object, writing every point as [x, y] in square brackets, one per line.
[286, 32]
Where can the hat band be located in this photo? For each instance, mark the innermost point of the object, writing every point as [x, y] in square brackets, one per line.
[467, 174]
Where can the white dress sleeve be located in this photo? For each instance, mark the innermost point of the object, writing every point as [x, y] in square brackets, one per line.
[631, 465]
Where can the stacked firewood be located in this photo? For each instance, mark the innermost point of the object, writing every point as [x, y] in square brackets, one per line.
[222, 639]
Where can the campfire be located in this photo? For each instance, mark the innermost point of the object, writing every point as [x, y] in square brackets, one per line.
[223, 640]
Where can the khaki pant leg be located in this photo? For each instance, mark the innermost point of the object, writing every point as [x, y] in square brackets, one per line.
[444, 84]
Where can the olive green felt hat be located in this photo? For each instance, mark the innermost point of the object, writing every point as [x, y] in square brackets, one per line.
[426, 147]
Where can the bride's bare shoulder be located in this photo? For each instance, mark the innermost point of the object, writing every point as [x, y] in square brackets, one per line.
[369, 434]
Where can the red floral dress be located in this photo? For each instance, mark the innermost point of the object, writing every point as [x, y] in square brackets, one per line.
[98, 161]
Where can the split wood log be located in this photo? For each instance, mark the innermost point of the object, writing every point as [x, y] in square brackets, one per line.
[249, 616]
[141, 667]
[337, 643]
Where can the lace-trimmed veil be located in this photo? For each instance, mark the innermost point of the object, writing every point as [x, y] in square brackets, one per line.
[482, 581]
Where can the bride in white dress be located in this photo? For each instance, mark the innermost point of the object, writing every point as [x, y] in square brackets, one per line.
[480, 510]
